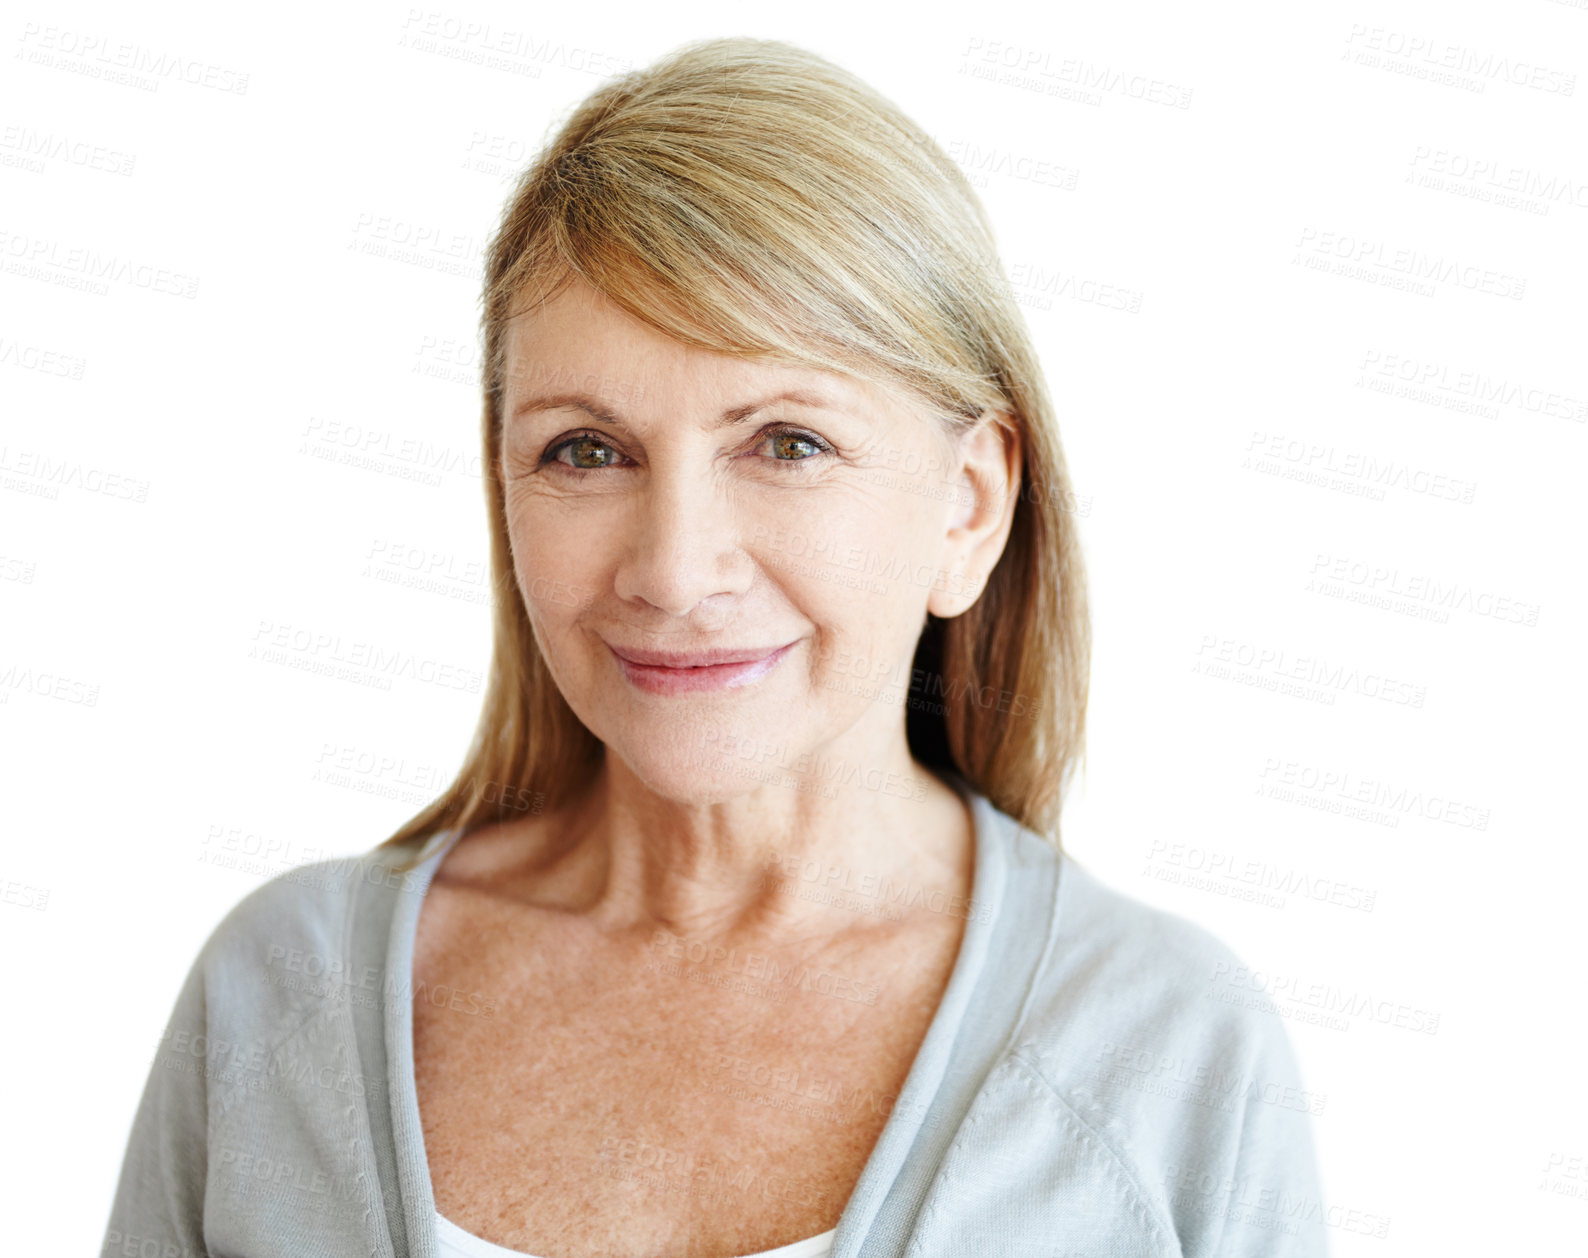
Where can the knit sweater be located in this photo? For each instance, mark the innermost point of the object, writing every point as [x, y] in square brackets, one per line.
[1100, 1079]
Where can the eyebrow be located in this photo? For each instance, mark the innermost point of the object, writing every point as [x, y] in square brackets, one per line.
[733, 415]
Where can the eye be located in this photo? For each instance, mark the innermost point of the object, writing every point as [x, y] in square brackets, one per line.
[581, 444]
[786, 439]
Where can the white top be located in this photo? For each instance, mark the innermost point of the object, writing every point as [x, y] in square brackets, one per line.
[456, 1243]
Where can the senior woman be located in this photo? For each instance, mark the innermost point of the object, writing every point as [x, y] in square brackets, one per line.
[745, 927]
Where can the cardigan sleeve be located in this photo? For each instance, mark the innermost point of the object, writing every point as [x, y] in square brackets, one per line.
[1272, 1205]
[158, 1207]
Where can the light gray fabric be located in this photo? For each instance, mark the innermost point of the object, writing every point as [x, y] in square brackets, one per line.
[1089, 1086]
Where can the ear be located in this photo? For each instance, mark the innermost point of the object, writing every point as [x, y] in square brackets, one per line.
[980, 512]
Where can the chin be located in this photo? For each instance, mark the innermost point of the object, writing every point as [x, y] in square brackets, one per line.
[693, 772]
[694, 785]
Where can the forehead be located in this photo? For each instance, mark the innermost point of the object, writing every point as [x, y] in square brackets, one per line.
[582, 339]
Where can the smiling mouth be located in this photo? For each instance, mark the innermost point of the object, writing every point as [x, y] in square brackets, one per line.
[694, 659]
[688, 672]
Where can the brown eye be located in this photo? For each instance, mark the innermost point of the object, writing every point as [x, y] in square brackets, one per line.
[584, 446]
[802, 447]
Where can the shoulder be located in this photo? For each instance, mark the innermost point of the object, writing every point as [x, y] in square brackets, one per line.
[1127, 972]
[309, 902]
[1197, 1096]
[1152, 989]
[1130, 962]
[1135, 964]
[295, 945]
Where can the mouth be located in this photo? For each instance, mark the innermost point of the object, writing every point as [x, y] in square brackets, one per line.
[681, 672]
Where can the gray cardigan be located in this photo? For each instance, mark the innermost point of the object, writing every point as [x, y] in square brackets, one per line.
[1100, 1079]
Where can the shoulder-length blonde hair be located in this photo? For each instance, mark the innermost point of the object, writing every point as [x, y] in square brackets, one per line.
[749, 197]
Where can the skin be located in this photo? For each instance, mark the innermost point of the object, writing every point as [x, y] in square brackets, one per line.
[836, 527]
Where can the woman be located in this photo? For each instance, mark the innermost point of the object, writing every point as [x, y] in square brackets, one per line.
[745, 928]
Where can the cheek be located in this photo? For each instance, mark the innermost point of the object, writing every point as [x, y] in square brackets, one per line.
[862, 527]
[553, 561]
[862, 578]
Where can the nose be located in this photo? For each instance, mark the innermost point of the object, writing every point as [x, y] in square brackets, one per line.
[682, 546]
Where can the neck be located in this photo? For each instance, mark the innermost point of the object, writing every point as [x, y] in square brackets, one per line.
[774, 864]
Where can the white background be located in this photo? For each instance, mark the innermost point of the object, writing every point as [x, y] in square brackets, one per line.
[1275, 410]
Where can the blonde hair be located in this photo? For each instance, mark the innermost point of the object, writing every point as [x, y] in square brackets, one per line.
[749, 197]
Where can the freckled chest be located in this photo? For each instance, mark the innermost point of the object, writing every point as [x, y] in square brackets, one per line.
[581, 1096]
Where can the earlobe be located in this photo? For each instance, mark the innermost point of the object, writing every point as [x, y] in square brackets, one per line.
[954, 595]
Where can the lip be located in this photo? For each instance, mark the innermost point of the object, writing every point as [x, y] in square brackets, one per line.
[694, 659]
[683, 672]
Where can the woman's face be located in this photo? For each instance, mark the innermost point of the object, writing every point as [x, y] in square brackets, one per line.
[666, 499]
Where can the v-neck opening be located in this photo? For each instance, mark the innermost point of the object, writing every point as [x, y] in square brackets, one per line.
[899, 1133]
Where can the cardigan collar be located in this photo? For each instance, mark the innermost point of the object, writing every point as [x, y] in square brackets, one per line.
[938, 1089]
